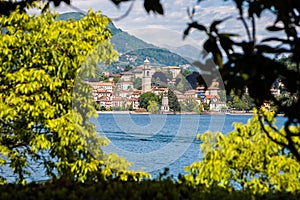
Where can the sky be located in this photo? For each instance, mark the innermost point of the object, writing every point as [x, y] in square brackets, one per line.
[167, 30]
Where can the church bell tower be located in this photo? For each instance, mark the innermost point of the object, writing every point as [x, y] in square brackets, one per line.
[146, 80]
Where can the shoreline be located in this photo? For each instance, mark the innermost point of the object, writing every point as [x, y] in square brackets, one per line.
[178, 113]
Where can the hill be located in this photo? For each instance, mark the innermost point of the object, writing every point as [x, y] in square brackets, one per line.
[124, 42]
[156, 56]
[70, 15]
[187, 51]
[133, 50]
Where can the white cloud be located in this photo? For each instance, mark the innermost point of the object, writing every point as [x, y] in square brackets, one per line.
[175, 18]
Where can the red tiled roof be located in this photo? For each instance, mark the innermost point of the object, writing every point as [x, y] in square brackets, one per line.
[118, 99]
[177, 92]
[211, 96]
[101, 83]
[200, 88]
[213, 88]
[159, 89]
[137, 92]
[191, 92]
[104, 98]
[103, 91]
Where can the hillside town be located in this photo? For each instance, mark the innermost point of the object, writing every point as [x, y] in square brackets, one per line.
[124, 94]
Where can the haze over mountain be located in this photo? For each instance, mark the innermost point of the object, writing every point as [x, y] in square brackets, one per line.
[187, 51]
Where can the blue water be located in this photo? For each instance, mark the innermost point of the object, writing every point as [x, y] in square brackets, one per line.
[154, 142]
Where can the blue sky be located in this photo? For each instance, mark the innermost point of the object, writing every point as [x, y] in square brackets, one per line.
[168, 29]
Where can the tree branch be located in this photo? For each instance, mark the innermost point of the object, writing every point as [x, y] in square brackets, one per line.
[245, 24]
[126, 13]
[253, 29]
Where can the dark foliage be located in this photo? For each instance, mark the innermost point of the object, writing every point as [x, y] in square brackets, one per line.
[193, 79]
[114, 189]
[160, 76]
[173, 101]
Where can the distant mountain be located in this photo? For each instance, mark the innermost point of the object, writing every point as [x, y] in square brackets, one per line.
[156, 56]
[70, 15]
[124, 42]
[132, 50]
[187, 51]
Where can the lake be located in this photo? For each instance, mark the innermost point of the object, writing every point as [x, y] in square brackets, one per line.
[153, 142]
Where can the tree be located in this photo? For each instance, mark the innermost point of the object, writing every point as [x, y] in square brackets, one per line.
[159, 77]
[137, 83]
[145, 98]
[253, 64]
[192, 79]
[127, 68]
[242, 103]
[190, 105]
[45, 107]
[103, 77]
[186, 72]
[173, 101]
[6, 7]
[116, 79]
[153, 106]
[245, 159]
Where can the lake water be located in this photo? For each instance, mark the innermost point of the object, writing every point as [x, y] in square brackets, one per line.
[153, 142]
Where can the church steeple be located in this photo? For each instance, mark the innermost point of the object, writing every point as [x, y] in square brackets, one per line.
[146, 80]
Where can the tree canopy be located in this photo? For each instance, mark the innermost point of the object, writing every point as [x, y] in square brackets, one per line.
[45, 108]
[245, 159]
[145, 98]
[254, 64]
[173, 101]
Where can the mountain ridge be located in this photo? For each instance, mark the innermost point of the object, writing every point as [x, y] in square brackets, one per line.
[132, 50]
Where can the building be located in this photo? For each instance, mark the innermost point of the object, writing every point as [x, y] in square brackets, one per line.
[104, 102]
[125, 85]
[146, 80]
[102, 85]
[158, 91]
[165, 104]
[134, 99]
[174, 70]
[217, 106]
[103, 92]
[127, 76]
[118, 102]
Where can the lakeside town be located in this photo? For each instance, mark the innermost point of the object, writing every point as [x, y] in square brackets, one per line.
[146, 81]
[182, 134]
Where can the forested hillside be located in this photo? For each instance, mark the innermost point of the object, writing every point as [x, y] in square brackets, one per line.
[132, 50]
